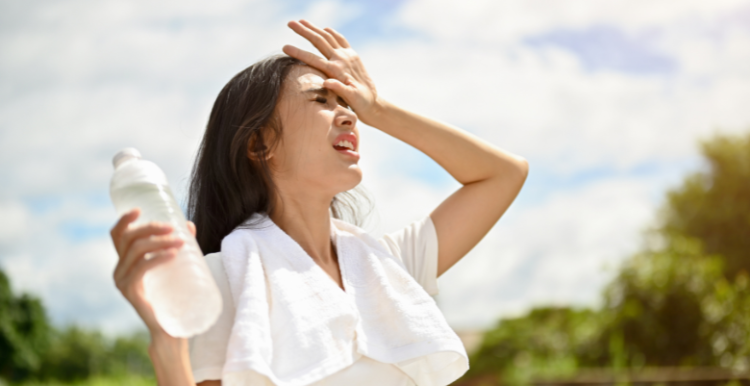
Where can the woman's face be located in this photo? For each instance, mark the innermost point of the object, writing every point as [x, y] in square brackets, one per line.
[319, 147]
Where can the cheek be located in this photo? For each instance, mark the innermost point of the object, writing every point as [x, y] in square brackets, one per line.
[304, 147]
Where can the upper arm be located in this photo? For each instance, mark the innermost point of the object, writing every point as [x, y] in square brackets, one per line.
[464, 218]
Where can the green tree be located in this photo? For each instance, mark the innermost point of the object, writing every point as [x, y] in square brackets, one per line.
[659, 304]
[549, 341]
[75, 354]
[24, 332]
[714, 205]
[129, 355]
[684, 303]
[30, 349]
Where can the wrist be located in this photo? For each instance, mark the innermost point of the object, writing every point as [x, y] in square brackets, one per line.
[171, 359]
[166, 347]
[377, 113]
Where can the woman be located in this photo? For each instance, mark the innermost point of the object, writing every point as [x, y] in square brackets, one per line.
[282, 142]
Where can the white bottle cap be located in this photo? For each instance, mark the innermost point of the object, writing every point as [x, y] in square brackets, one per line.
[125, 154]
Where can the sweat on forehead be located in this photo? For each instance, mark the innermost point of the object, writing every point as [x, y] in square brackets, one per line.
[302, 78]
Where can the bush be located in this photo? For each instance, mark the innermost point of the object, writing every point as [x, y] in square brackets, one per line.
[547, 342]
[77, 354]
[31, 350]
[24, 333]
[684, 303]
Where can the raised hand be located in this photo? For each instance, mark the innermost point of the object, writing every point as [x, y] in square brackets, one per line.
[348, 77]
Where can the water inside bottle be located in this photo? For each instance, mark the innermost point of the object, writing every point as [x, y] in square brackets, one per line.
[157, 203]
[178, 291]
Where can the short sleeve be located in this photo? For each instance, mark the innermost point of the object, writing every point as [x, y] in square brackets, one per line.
[208, 350]
[417, 247]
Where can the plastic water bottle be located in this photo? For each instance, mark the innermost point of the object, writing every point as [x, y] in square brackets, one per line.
[183, 294]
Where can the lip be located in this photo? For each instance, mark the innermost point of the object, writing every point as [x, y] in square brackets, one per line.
[348, 136]
[349, 153]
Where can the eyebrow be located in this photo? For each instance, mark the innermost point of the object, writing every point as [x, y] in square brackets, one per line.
[326, 92]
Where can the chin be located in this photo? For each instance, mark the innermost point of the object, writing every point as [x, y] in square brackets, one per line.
[353, 178]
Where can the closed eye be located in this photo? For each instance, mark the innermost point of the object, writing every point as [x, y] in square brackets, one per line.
[322, 94]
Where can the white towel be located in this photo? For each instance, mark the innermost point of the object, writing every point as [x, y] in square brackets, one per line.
[295, 326]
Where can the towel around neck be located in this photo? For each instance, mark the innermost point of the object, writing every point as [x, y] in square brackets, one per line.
[294, 325]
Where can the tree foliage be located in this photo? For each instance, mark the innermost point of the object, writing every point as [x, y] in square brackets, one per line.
[23, 333]
[549, 341]
[713, 206]
[685, 302]
[667, 304]
[31, 349]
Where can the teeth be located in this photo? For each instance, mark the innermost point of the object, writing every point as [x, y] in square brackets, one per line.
[345, 144]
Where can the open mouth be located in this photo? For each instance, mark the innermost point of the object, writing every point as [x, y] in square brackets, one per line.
[346, 143]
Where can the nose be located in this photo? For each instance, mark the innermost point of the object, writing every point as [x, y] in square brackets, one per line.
[345, 118]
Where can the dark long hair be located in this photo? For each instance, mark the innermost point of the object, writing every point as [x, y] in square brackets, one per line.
[226, 185]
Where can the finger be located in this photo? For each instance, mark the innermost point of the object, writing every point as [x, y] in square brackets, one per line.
[322, 32]
[339, 37]
[191, 228]
[141, 248]
[339, 88]
[131, 234]
[309, 58]
[162, 257]
[159, 258]
[318, 41]
[122, 225]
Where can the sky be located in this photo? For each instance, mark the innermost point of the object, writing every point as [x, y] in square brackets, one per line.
[607, 100]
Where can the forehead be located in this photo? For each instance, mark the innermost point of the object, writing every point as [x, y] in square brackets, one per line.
[302, 78]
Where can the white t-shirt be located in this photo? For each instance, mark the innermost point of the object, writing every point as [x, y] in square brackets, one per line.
[416, 246]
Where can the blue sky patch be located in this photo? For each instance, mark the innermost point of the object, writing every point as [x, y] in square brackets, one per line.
[604, 47]
[78, 231]
[373, 22]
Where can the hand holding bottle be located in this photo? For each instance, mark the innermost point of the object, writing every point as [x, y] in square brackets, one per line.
[175, 293]
[133, 243]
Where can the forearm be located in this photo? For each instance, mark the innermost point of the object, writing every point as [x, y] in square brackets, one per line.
[465, 157]
[171, 360]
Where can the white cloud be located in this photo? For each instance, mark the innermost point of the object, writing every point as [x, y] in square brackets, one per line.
[541, 102]
[14, 224]
[476, 71]
[509, 21]
[83, 79]
[559, 251]
[68, 260]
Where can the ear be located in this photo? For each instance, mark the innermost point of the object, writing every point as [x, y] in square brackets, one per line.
[257, 148]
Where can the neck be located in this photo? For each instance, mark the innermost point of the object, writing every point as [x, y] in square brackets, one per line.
[306, 219]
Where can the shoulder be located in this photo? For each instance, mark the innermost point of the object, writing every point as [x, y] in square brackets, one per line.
[249, 232]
